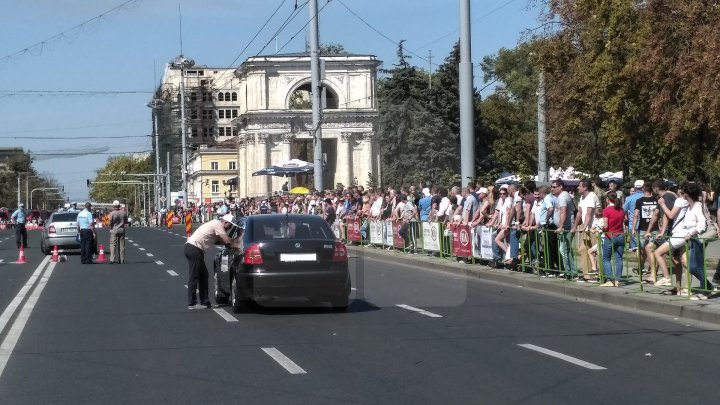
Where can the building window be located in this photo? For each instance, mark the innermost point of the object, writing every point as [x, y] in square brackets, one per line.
[234, 131]
[207, 96]
[193, 96]
[233, 188]
[234, 113]
[221, 114]
[234, 96]
[191, 73]
[227, 113]
[193, 132]
[232, 165]
[214, 166]
[222, 131]
[227, 96]
[221, 97]
[193, 114]
[207, 132]
[207, 114]
[201, 73]
[215, 186]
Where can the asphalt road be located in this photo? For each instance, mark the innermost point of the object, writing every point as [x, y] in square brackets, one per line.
[109, 334]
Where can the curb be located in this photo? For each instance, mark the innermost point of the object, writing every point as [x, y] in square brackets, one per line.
[703, 311]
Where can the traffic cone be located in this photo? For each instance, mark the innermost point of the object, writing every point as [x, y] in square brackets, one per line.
[21, 255]
[55, 256]
[101, 255]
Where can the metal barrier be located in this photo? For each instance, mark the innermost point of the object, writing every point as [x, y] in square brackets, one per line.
[544, 252]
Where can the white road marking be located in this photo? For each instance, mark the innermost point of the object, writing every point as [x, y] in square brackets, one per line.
[149, 254]
[561, 356]
[419, 311]
[143, 249]
[130, 240]
[185, 285]
[13, 335]
[353, 289]
[135, 244]
[159, 263]
[172, 273]
[283, 360]
[10, 310]
[225, 315]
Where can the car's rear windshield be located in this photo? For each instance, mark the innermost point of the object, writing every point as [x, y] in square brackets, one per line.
[281, 227]
[65, 217]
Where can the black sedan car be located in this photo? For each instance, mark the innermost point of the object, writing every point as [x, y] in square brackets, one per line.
[284, 256]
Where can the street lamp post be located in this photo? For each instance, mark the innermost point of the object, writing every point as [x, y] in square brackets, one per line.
[36, 189]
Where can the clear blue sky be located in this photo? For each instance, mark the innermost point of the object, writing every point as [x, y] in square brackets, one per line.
[126, 51]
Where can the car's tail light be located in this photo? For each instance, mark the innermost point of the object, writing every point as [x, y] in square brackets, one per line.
[340, 254]
[252, 255]
[51, 229]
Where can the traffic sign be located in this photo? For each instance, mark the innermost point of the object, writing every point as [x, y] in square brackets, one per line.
[163, 199]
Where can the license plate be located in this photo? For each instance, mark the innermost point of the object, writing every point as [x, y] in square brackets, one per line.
[298, 257]
[67, 230]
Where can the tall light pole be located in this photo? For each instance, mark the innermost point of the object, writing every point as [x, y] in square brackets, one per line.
[154, 104]
[316, 92]
[181, 63]
[467, 119]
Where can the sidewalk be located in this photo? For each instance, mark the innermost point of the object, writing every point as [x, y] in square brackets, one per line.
[628, 296]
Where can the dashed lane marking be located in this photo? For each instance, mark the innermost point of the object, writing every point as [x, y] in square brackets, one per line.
[419, 311]
[283, 360]
[225, 315]
[159, 263]
[172, 273]
[149, 254]
[561, 356]
[143, 249]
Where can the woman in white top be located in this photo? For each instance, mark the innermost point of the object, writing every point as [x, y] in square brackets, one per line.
[693, 225]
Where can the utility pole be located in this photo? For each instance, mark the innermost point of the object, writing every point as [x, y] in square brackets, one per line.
[430, 69]
[181, 62]
[167, 185]
[542, 150]
[467, 120]
[316, 93]
[18, 190]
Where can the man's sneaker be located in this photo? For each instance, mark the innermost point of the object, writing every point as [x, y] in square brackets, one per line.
[191, 306]
[206, 305]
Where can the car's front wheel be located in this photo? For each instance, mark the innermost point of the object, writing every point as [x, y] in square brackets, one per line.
[238, 302]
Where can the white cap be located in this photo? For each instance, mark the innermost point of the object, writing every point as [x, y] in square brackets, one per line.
[483, 190]
[228, 217]
[639, 183]
[426, 191]
[21, 205]
[504, 186]
[116, 203]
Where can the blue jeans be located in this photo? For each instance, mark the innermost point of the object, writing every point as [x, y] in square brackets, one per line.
[497, 253]
[514, 243]
[696, 263]
[567, 257]
[614, 245]
[363, 229]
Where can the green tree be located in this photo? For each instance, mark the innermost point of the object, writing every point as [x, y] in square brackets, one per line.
[115, 170]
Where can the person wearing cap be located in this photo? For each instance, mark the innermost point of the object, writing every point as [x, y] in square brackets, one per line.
[19, 218]
[86, 228]
[197, 244]
[629, 207]
[425, 204]
[118, 222]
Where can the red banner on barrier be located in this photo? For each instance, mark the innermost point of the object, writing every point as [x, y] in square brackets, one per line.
[461, 242]
[353, 229]
[398, 241]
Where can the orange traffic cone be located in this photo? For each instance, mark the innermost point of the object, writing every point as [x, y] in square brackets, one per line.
[101, 255]
[21, 255]
[55, 256]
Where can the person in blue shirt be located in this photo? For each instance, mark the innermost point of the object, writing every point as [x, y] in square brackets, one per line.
[19, 217]
[86, 228]
[629, 208]
[425, 204]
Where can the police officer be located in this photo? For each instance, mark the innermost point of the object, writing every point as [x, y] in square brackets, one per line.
[86, 228]
[19, 217]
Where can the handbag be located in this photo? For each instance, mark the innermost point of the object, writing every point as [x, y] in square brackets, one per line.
[711, 230]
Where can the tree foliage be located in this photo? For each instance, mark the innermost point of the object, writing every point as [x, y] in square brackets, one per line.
[20, 166]
[116, 169]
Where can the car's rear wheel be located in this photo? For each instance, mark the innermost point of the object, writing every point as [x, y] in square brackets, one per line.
[340, 303]
[238, 302]
[220, 297]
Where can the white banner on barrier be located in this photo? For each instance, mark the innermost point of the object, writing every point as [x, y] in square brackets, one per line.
[388, 232]
[431, 236]
[482, 242]
[376, 232]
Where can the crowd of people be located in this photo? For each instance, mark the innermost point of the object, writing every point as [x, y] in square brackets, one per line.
[576, 231]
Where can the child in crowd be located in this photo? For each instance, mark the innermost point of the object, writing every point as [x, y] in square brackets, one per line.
[597, 232]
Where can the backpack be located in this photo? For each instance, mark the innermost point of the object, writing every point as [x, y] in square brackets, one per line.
[711, 231]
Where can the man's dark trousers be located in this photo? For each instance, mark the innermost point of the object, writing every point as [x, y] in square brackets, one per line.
[20, 233]
[86, 246]
[198, 274]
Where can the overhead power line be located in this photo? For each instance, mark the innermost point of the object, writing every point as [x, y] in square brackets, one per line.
[7, 93]
[39, 46]
[301, 28]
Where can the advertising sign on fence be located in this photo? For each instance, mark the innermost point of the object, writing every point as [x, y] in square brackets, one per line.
[461, 243]
[482, 243]
[376, 232]
[353, 229]
[388, 232]
[398, 240]
[431, 236]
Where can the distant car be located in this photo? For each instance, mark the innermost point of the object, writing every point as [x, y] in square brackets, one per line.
[60, 230]
[285, 256]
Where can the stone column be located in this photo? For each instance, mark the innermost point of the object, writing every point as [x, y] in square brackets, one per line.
[261, 162]
[286, 148]
[243, 175]
[367, 141]
[343, 167]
